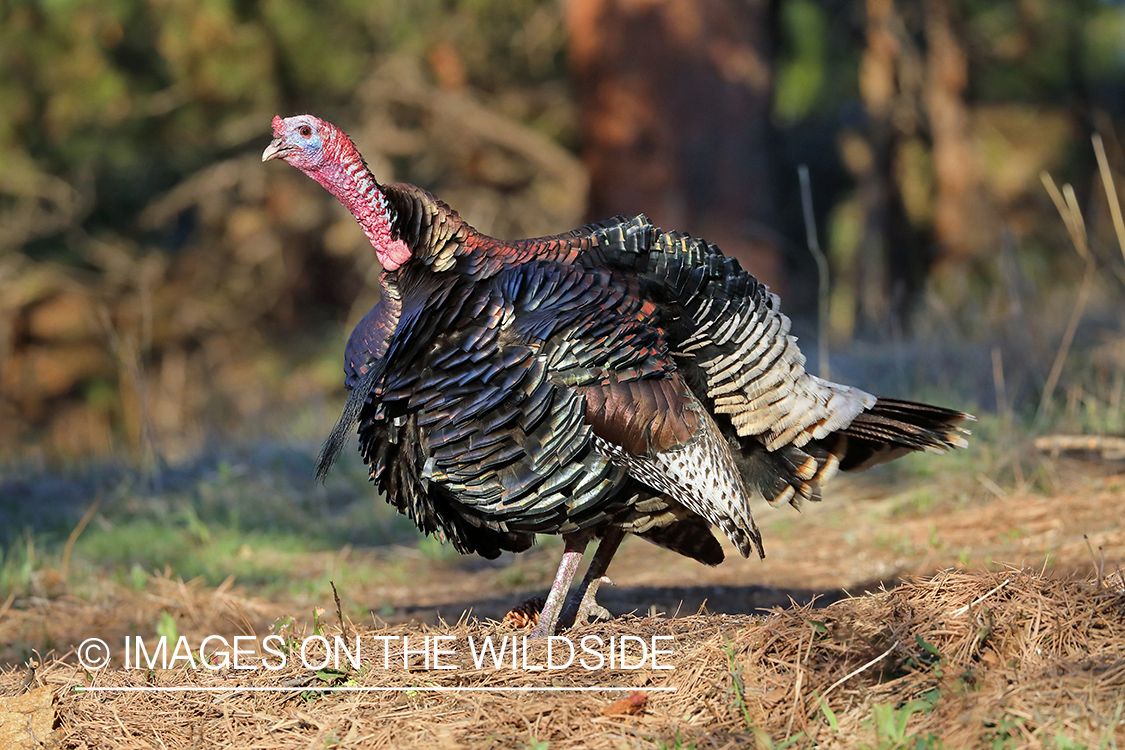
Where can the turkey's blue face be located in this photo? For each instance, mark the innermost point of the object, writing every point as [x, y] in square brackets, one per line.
[300, 141]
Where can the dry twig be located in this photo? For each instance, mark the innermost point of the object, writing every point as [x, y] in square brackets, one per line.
[823, 278]
[1067, 205]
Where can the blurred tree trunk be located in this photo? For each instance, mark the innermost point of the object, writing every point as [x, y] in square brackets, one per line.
[908, 92]
[888, 271]
[674, 99]
[961, 225]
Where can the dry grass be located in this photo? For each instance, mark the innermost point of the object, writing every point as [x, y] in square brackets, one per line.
[996, 658]
[1008, 659]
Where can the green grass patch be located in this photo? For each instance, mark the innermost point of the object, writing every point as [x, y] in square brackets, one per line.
[255, 516]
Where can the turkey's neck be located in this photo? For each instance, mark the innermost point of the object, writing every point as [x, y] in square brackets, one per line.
[354, 186]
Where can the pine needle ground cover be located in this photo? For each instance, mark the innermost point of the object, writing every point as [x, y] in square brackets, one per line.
[1012, 658]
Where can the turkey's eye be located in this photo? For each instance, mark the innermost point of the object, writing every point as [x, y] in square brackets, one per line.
[305, 131]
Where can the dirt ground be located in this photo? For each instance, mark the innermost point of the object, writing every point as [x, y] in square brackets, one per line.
[863, 537]
[968, 616]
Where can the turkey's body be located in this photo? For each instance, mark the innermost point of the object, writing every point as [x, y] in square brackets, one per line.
[615, 379]
[616, 375]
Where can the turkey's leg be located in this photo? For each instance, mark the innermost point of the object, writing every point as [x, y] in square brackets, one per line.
[549, 617]
[583, 605]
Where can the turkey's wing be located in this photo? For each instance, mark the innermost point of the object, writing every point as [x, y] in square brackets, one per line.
[730, 325]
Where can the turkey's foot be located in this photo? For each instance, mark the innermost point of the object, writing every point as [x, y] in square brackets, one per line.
[586, 610]
[582, 607]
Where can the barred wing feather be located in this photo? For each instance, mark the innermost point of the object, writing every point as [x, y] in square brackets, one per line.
[731, 324]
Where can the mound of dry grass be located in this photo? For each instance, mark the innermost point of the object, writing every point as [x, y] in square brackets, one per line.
[1007, 659]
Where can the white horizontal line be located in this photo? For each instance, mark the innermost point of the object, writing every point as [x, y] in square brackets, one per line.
[344, 689]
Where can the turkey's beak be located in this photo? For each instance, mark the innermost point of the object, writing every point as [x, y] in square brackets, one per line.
[276, 150]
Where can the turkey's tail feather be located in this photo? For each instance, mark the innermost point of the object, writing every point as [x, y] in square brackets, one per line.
[893, 427]
[790, 474]
[888, 429]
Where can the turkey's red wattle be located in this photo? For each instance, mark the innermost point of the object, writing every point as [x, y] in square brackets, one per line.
[347, 177]
[369, 207]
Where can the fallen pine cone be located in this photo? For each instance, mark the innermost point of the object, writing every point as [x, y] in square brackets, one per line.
[631, 704]
[526, 614]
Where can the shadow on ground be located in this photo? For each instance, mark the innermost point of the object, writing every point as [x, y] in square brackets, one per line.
[644, 600]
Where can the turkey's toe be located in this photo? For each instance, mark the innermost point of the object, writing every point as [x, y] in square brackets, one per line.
[588, 609]
[591, 612]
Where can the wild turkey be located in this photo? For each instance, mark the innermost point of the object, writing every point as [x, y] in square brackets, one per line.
[617, 378]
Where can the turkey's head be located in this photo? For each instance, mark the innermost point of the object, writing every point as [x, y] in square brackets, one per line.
[307, 142]
[322, 151]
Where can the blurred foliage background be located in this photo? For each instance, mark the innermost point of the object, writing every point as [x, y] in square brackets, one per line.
[160, 286]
